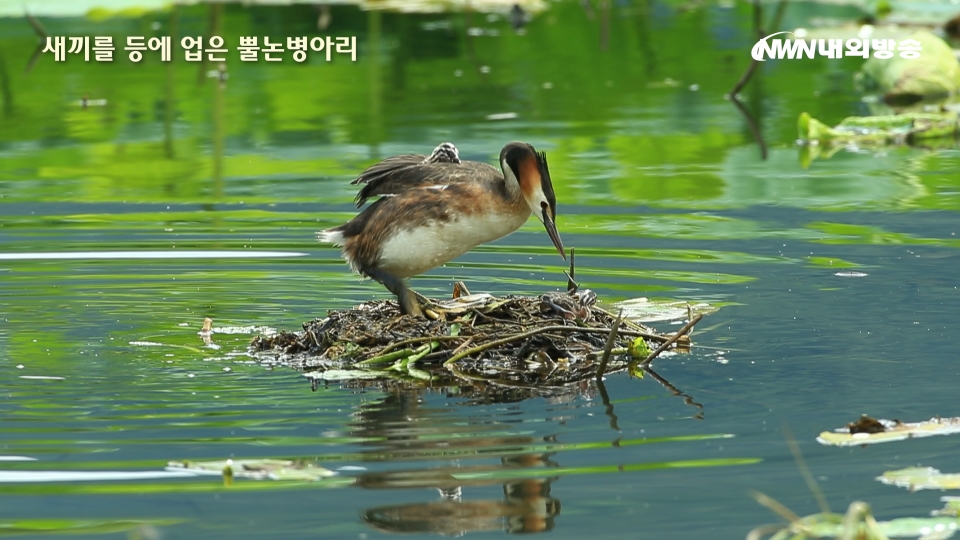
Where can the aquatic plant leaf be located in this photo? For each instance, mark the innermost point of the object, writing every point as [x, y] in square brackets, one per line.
[256, 469]
[343, 374]
[78, 526]
[860, 523]
[907, 128]
[917, 478]
[646, 310]
[892, 430]
[830, 262]
[951, 508]
[897, 528]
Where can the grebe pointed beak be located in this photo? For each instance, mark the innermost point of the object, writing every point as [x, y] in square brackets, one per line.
[552, 231]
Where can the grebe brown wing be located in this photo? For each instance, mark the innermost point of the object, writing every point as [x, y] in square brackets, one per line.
[397, 174]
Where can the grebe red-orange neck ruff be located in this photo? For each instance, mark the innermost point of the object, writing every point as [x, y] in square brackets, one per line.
[435, 208]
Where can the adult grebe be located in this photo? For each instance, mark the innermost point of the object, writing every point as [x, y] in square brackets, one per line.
[435, 208]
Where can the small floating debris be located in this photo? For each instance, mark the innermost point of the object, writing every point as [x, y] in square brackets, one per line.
[207, 328]
[851, 274]
[868, 430]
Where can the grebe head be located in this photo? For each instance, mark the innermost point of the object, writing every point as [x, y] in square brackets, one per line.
[526, 169]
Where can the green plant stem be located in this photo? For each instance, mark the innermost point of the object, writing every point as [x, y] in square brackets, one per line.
[395, 355]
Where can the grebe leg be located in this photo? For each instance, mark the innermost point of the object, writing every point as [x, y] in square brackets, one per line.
[405, 297]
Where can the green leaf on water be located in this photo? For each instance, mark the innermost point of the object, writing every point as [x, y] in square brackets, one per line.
[893, 430]
[830, 262]
[859, 523]
[951, 508]
[819, 527]
[646, 310]
[78, 526]
[917, 478]
[256, 469]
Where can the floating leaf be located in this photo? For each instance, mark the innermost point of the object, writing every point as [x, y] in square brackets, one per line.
[79, 526]
[342, 375]
[859, 523]
[907, 128]
[917, 478]
[952, 508]
[889, 431]
[257, 469]
[646, 310]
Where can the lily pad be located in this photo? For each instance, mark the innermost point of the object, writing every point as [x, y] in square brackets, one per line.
[646, 310]
[917, 478]
[256, 469]
[860, 523]
[908, 128]
[951, 508]
[869, 431]
[79, 526]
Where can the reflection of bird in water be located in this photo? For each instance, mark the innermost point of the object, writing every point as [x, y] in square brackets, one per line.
[518, 18]
[404, 427]
[435, 208]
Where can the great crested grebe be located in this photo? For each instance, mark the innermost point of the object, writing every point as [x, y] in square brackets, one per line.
[435, 208]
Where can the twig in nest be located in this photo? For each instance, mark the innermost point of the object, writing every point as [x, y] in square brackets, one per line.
[410, 341]
[686, 328]
[535, 331]
[313, 337]
[611, 340]
[495, 319]
[463, 346]
[639, 328]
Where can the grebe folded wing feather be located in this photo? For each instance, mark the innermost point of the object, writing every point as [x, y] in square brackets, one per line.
[397, 174]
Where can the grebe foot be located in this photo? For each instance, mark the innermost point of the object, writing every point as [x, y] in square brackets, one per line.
[405, 297]
[430, 308]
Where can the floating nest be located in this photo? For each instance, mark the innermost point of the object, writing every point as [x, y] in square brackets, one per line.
[514, 341]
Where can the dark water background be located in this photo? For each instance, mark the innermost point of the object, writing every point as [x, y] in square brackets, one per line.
[661, 189]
